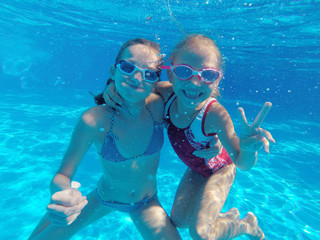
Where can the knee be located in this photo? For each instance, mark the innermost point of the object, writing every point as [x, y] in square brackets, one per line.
[202, 232]
[197, 233]
[178, 221]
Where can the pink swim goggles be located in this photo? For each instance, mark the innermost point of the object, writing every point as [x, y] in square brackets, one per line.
[185, 72]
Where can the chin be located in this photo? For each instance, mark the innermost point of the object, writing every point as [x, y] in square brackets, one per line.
[193, 101]
[135, 97]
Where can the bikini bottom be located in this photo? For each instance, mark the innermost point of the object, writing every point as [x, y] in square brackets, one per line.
[125, 207]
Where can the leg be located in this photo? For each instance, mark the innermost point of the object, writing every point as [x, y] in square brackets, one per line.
[207, 221]
[90, 213]
[228, 228]
[186, 197]
[210, 202]
[153, 222]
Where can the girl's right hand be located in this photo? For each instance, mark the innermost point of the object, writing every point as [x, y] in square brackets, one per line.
[214, 149]
[111, 96]
[66, 206]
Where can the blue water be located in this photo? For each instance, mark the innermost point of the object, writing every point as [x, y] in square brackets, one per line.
[53, 52]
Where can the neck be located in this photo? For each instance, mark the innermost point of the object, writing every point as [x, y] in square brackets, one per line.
[187, 111]
[132, 109]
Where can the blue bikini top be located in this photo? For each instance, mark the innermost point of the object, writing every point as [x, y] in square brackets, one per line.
[109, 149]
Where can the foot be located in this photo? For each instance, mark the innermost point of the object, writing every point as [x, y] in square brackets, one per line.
[232, 214]
[254, 231]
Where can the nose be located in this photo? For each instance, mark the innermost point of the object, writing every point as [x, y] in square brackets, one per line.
[138, 76]
[196, 80]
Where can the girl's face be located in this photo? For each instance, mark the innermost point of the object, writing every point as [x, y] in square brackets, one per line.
[193, 92]
[133, 87]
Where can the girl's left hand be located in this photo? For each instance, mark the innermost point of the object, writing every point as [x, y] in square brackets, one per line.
[215, 148]
[253, 137]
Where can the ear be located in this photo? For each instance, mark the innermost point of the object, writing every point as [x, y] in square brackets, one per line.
[112, 71]
[216, 83]
[170, 76]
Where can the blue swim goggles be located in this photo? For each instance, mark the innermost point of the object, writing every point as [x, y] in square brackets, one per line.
[185, 72]
[129, 68]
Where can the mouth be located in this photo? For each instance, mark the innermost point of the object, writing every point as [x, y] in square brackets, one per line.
[192, 94]
[132, 85]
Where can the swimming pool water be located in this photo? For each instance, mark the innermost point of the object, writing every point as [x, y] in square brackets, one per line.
[53, 52]
[282, 189]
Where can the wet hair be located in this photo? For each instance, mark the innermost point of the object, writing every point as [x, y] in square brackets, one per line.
[202, 41]
[153, 45]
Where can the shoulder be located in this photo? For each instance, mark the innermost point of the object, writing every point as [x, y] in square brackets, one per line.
[94, 116]
[217, 117]
[164, 89]
[156, 106]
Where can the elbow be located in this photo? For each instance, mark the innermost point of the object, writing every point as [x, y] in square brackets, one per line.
[245, 168]
[246, 165]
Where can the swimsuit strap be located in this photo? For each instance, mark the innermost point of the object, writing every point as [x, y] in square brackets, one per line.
[168, 104]
[110, 133]
[156, 124]
[150, 113]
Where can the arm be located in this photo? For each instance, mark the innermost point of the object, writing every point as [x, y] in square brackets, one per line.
[243, 151]
[80, 142]
[164, 89]
[113, 99]
[66, 202]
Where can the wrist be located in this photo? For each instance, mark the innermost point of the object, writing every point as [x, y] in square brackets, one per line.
[59, 183]
[110, 80]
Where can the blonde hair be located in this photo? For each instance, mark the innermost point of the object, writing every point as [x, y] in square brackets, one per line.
[202, 41]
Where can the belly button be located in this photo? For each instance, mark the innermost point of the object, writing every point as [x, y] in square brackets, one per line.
[132, 193]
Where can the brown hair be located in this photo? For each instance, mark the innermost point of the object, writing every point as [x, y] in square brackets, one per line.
[155, 46]
[142, 41]
[200, 41]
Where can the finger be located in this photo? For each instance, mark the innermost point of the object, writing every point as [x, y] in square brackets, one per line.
[67, 198]
[262, 114]
[108, 99]
[64, 211]
[266, 145]
[252, 144]
[242, 118]
[59, 211]
[267, 135]
[106, 96]
[205, 153]
[62, 221]
[116, 97]
[215, 141]
[72, 218]
[113, 94]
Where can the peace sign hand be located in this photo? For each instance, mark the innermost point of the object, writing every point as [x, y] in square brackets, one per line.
[253, 137]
